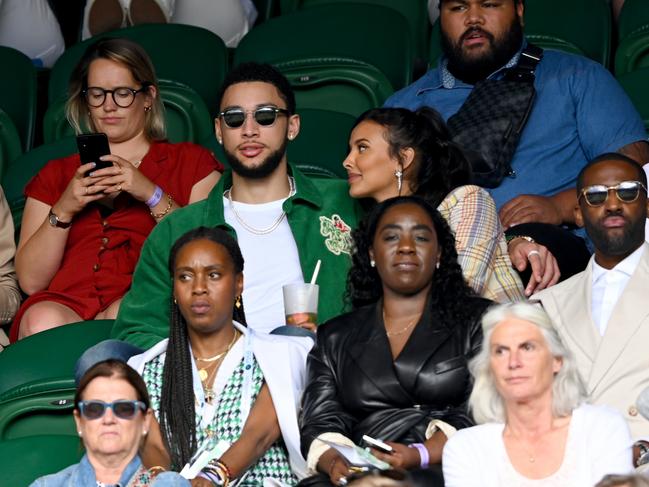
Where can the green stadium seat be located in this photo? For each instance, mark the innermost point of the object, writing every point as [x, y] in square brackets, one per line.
[634, 18]
[10, 145]
[23, 460]
[633, 48]
[190, 55]
[577, 26]
[25, 167]
[18, 93]
[414, 11]
[341, 87]
[47, 357]
[334, 33]
[322, 141]
[37, 379]
[636, 85]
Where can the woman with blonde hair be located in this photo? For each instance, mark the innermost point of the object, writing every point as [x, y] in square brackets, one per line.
[528, 399]
[83, 226]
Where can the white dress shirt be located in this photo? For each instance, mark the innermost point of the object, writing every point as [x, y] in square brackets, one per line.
[608, 285]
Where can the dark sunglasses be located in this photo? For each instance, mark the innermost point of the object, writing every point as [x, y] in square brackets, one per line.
[264, 116]
[122, 409]
[626, 192]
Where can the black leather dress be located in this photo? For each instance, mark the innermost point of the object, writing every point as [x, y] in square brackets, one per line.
[354, 387]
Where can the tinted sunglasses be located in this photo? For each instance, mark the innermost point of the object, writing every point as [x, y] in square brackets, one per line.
[264, 116]
[122, 409]
[626, 192]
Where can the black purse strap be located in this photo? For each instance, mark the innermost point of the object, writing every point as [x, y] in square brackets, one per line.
[525, 69]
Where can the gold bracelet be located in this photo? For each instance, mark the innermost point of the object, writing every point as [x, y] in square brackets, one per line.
[155, 470]
[170, 203]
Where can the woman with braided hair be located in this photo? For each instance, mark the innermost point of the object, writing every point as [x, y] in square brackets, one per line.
[217, 387]
[397, 152]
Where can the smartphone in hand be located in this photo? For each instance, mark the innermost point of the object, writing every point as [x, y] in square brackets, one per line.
[378, 444]
[91, 148]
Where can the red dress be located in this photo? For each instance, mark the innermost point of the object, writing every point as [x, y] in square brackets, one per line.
[101, 251]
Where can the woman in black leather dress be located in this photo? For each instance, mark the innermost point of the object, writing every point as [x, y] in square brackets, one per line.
[395, 368]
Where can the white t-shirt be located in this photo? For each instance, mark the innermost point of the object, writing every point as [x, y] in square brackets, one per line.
[271, 261]
[598, 443]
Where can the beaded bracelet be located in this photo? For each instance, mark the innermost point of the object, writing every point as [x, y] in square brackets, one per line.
[423, 453]
[155, 197]
[170, 202]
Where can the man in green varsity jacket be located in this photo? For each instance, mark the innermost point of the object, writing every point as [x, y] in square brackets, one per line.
[284, 221]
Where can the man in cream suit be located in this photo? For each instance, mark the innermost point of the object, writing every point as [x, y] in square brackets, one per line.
[603, 313]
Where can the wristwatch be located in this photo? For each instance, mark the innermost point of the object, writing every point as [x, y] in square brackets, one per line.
[55, 222]
[643, 448]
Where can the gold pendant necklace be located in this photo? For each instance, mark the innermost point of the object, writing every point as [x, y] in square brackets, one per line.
[205, 374]
[403, 330]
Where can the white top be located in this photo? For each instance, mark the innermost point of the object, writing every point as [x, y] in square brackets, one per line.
[598, 443]
[271, 261]
[608, 285]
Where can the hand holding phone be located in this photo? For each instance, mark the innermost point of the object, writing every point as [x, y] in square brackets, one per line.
[378, 444]
[91, 148]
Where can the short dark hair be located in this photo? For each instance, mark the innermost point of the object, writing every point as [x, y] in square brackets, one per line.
[611, 156]
[265, 73]
[113, 368]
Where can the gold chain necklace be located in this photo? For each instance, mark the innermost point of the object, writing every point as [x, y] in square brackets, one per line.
[403, 330]
[203, 372]
[250, 228]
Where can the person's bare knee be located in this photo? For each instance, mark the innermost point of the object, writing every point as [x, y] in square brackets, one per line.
[43, 316]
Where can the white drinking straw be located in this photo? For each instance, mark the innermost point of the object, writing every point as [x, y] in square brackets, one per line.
[316, 271]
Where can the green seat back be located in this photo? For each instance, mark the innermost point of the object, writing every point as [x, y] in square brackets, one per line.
[47, 358]
[636, 85]
[414, 11]
[24, 168]
[18, 93]
[23, 460]
[327, 33]
[577, 26]
[190, 55]
[10, 145]
[322, 141]
[634, 17]
[349, 88]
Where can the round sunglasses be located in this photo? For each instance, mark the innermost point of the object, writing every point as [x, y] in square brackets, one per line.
[264, 116]
[123, 409]
[626, 192]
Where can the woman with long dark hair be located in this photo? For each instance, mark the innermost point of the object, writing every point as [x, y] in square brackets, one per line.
[395, 368]
[217, 387]
[397, 152]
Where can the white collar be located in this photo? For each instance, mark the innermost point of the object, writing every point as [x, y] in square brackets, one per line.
[627, 266]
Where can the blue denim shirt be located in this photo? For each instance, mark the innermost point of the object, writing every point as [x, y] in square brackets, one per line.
[580, 112]
[83, 475]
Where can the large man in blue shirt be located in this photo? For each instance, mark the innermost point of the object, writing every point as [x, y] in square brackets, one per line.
[580, 110]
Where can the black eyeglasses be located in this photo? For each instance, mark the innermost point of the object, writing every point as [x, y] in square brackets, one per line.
[264, 116]
[626, 192]
[122, 96]
[122, 409]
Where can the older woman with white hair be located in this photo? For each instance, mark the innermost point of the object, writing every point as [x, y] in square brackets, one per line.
[528, 399]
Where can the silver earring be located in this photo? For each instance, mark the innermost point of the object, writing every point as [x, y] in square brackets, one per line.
[290, 136]
[79, 433]
[372, 263]
[437, 265]
[399, 175]
[147, 108]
